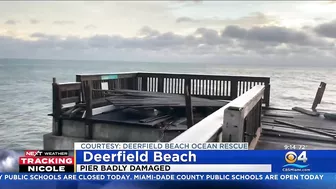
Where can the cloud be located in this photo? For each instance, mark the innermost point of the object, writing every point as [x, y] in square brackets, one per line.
[211, 37]
[147, 31]
[43, 36]
[203, 44]
[274, 35]
[34, 21]
[152, 41]
[63, 22]
[12, 22]
[89, 27]
[186, 19]
[256, 18]
[235, 32]
[326, 29]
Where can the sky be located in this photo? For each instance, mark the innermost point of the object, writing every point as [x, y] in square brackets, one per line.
[187, 31]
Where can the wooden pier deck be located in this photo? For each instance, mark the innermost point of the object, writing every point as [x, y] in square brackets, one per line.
[85, 110]
[206, 108]
[278, 133]
[265, 128]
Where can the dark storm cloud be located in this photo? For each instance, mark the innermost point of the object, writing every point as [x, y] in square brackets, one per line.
[326, 29]
[153, 40]
[274, 35]
[211, 37]
[203, 42]
[12, 22]
[235, 32]
[63, 22]
[168, 39]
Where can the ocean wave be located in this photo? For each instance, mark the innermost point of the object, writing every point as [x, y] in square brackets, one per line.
[293, 98]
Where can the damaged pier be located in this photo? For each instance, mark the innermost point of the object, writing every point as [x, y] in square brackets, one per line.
[163, 107]
[139, 107]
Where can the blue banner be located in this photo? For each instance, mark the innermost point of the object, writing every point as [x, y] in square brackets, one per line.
[281, 160]
[161, 181]
[167, 177]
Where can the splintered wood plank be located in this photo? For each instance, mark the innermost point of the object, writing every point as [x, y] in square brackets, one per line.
[155, 99]
[305, 128]
[319, 95]
[305, 111]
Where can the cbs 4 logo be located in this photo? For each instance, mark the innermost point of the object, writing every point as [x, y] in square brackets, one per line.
[292, 157]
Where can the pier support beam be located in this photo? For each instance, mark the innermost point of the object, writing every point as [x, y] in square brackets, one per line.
[189, 108]
[319, 95]
[88, 112]
[57, 108]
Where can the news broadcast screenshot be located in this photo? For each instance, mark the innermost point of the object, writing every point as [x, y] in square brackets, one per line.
[167, 94]
[213, 165]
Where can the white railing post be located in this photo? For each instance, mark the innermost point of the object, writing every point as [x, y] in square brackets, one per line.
[234, 116]
[233, 126]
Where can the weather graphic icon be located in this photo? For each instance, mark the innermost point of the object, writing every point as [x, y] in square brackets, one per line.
[9, 161]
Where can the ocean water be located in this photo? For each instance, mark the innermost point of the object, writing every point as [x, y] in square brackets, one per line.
[25, 89]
